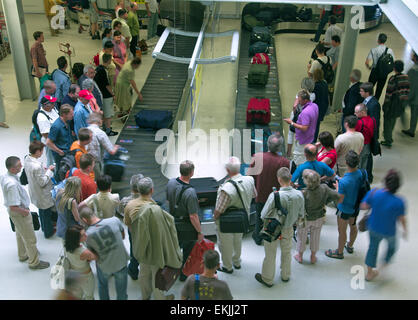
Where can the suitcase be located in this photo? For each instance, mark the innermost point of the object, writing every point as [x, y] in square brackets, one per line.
[258, 111]
[260, 34]
[206, 190]
[154, 119]
[249, 22]
[258, 75]
[234, 221]
[114, 165]
[258, 145]
[165, 278]
[261, 58]
[258, 47]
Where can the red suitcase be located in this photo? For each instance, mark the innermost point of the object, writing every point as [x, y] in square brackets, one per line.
[261, 58]
[258, 111]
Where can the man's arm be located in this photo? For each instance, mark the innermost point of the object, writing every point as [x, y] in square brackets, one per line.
[297, 126]
[221, 204]
[19, 210]
[194, 219]
[51, 145]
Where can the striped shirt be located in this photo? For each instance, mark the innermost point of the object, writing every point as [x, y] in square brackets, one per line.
[377, 52]
[398, 84]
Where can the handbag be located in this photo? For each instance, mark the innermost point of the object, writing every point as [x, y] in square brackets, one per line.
[194, 263]
[35, 220]
[165, 278]
[23, 178]
[235, 220]
[58, 271]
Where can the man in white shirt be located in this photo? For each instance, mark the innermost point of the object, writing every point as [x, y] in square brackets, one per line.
[153, 10]
[320, 52]
[46, 117]
[333, 30]
[371, 63]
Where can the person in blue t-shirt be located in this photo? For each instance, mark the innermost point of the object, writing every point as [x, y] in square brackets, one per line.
[348, 187]
[387, 209]
[311, 163]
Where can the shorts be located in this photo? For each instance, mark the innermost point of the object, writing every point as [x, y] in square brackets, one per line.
[94, 16]
[348, 216]
[108, 111]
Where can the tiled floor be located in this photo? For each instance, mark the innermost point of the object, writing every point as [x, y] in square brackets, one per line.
[328, 279]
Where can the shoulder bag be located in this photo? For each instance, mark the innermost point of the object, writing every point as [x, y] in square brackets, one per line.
[185, 229]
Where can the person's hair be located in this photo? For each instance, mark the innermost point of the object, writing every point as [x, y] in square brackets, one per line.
[106, 31]
[307, 84]
[326, 139]
[84, 134]
[304, 95]
[95, 117]
[352, 159]
[35, 146]
[86, 213]
[310, 154]
[398, 66]
[392, 180]
[211, 259]
[86, 160]
[284, 174]
[72, 238]
[108, 44]
[233, 165]
[332, 19]
[137, 61]
[104, 182]
[351, 121]
[116, 24]
[11, 162]
[311, 178]
[318, 75]
[186, 168]
[382, 38]
[87, 67]
[77, 70]
[134, 181]
[107, 57]
[65, 109]
[336, 38]
[367, 87]
[274, 143]
[362, 107]
[87, 84]
[117, 33]
[145, 185]
[61, 62]
[37, 34]
[72, 189]
[73, 88]
[48, 84]
[320, 48]
[356, 74]
[121, 12]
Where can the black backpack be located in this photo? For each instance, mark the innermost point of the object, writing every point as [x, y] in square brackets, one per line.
[272, 228]
[385, 64]
[67, 163]
[328, 72]
[85, 4]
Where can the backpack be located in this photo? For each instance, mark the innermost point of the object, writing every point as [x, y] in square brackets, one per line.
[328, 72]
[385, 64]
[60, 186]
[85, 4]
[272, 228]
[58, 271]
[35, 133]
[67, 163]
[304, 14]
[364, 188]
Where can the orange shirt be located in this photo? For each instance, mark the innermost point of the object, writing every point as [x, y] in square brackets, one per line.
[88, 186]
[76, 145]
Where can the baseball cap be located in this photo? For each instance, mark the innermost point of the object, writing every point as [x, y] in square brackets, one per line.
[85, 94]
[46, 99]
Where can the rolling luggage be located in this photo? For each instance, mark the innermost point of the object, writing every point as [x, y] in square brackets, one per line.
[258, 111]
[258, 75]
[261, 58]
[206, 190]
[114, 165]
[260, 34]
[154, 119]
[258, 47]
[250, 22]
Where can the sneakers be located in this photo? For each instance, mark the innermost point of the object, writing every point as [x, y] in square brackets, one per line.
[386, 144]
[259, 278]
[40, 265]
[223, 269]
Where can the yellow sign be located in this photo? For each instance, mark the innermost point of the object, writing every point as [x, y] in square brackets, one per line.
[195, 93]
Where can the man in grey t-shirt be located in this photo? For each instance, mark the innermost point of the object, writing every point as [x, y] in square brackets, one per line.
[187, 206]
[105, 237]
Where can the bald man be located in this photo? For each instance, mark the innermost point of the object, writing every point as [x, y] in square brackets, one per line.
[311, 163]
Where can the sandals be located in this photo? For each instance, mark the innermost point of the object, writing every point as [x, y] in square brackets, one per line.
[375, 273]
[334, 254]
[298, 258]
[350, 250]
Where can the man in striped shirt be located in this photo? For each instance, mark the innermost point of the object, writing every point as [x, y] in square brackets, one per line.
[396, 98]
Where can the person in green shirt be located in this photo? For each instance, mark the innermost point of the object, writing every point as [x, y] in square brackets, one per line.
[133, 24]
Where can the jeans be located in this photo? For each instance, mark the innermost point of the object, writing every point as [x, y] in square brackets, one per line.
[152, 25]
[187, 247]
[45, 216]
[322, 23]
[388, 126]
[134, 44]
[258, 222]
[121, 283]
[375, 239]
[133, 263]
[374, 78]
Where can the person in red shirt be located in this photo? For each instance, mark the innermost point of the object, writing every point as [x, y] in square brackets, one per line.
[266, 179]
[84, 138]
[327, 152]
[365, 125]
[88, 185]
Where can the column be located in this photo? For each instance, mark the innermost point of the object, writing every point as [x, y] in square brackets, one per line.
[16, 28]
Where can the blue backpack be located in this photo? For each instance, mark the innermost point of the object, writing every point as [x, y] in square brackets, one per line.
[61, 185]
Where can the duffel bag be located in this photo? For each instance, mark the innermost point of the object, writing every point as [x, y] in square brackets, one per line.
[115, 169]
[250, 22]
[261, 58]
[288, 12]
[154, 119]
[258, 75]
[260, 34]
[258, 111]
[266, 16]
[234, 220]
[258, 47]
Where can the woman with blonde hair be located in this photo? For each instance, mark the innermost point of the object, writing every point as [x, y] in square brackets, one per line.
[67, 205]
[316, 196]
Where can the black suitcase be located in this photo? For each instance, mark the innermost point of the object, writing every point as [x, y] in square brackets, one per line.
[206, 190]
[234, 221]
